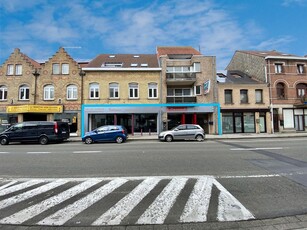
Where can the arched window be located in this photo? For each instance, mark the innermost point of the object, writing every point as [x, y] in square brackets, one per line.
[133, 90]
[72, 92]
[152, 90]
[3, 93]
[114, 90]
[49, 92]
[94, 91]
[24, 92]
[281, 91]
[301, 90]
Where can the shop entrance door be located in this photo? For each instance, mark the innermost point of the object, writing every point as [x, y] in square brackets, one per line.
[299, 122]
[125, 120]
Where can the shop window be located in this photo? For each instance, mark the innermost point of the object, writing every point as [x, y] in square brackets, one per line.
[3, 93]
[49, 92]
[24, 92]
[228, 96]
[72, 92]
[243, 96]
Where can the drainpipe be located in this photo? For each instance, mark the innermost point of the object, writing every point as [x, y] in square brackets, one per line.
[36, 75]
[268, 81]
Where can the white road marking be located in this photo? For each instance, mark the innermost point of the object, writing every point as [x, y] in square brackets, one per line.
[18, 187]
[158, 210]
[26, 195]
[197, 206]
[65, 214]
[4, 152]
[8, 184]
[87, 151]
[229, 208]
[38, 152]
[121, 209]
[251, 149]
[34, 210]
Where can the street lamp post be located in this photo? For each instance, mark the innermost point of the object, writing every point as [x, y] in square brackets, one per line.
[36, 75]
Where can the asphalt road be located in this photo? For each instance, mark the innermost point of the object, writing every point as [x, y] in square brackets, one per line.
[267, 176]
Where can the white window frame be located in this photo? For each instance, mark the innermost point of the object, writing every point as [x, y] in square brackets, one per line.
[56, 68]
[279, 67]
[113, 90]
[197, 89]
[72, 92]
[24, 93]
[300, 68]
[65, 68]
[152, 90]
[94, 89]
[18, 69]
[10, 70]
[48, 92]
[259, 96]
[3, 93]
[133, 90]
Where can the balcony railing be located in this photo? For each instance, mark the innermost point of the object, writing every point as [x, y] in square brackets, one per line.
[178, 99]
[180, 77]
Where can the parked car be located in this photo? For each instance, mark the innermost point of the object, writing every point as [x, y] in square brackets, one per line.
[42, 132]
[183, 132]
[106, 133]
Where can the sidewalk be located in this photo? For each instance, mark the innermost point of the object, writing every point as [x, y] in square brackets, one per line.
[154, 136]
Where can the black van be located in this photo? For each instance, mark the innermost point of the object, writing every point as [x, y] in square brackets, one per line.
[42, 132]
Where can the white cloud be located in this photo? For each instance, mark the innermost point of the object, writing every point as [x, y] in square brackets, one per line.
[294, 2]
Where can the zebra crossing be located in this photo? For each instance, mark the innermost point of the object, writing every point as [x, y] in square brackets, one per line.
[117, 201]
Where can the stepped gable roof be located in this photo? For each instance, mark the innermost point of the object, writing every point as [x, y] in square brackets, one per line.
[124, 61]
[171, 50]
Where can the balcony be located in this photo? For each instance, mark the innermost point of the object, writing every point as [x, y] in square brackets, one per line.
[180, 78]
[180, 99]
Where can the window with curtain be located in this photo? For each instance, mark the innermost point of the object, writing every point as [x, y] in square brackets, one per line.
[243, 96]
[49, 92]
[72, 92]
[65, 68]
[259, 96]
[24, 92]
[114, 90]
[228, 96]
[3, 92]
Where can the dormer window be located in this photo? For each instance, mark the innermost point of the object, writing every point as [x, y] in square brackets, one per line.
[112, 64]
[144, 65]
[134, 64]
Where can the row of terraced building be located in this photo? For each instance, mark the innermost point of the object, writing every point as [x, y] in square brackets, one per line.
[260, 91]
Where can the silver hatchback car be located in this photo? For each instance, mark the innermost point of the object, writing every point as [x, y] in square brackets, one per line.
[183, 132]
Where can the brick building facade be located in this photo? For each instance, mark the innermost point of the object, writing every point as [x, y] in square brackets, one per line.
[287, 79]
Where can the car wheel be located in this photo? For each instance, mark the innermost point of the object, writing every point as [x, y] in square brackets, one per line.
[168, 138]
[119, 140]
[4, 141]
[43, 140]
[88, 140]
[199, 138]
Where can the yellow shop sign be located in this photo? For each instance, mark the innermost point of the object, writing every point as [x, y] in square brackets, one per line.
[34, 109]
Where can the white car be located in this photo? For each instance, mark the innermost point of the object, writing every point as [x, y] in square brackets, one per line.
[183, 132]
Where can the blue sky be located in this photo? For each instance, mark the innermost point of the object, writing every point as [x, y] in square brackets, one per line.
[86, 28]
